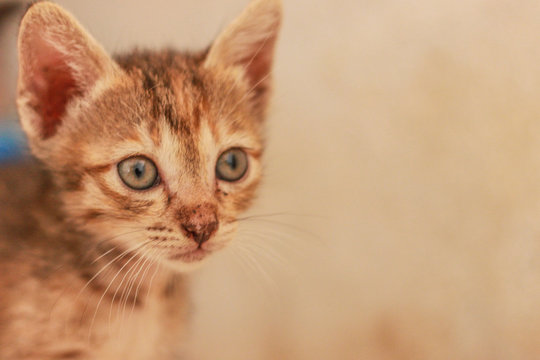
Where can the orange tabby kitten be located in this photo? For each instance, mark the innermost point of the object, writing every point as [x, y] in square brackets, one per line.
[145, 162]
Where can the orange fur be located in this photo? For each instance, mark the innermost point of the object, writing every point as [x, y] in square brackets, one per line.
[90, 246]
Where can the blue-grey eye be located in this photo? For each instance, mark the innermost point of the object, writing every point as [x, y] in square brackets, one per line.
[232, 165]
[138, 172]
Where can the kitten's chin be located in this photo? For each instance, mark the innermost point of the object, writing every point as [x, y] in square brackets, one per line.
[185, 262]
[179, 266]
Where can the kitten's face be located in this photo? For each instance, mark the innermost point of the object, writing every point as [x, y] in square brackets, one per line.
[167, 162]
[157, 151]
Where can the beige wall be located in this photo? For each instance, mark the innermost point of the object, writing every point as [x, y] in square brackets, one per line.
[404, 148]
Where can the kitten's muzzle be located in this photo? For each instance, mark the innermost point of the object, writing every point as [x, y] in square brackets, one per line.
[199, 223]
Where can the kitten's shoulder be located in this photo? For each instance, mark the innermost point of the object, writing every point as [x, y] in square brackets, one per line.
[20, 181]
[26, 195]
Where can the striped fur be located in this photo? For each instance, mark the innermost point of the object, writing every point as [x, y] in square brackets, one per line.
[83, 112]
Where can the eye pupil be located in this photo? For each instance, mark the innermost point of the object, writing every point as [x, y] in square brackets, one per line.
[231, 160]
[139, 169]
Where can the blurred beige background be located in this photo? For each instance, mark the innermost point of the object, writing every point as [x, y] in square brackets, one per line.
[404, 163]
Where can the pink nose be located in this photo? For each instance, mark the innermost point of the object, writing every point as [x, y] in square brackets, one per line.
[199, 222]
[200, 232]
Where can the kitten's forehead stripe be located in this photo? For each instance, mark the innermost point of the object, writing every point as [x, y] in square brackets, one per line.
[176, 92]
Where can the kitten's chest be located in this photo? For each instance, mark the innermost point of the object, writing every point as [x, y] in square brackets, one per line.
[153, 332]
[56, 320]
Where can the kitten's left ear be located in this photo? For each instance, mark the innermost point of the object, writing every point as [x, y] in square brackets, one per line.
[58, 62]
[248, 43]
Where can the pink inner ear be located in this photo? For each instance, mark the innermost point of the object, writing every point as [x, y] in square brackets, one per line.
[259, 64]
[53, 85]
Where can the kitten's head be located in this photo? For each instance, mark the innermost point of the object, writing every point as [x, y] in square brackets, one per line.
[155, 151]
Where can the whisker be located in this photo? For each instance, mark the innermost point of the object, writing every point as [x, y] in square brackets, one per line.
[105, 254]
[275, 236]
[289, 226]
[132, 282]
[246, 266]
[158, 267]
[108, 287]
[256, 265]
[267, 251]
[109, 263]
[279, 214]
[143, 277]
[103, 268]
[120, 287]
[278, 243]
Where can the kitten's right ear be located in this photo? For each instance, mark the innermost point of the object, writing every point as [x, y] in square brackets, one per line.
[58, 62]
[248, 43]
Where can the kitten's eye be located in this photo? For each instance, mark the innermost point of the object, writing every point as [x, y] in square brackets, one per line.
[138, 172]
[232, 165]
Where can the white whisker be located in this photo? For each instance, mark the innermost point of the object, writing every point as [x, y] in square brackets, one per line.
[126, 273]
[108, 287]
[131, 283]
[143, 277]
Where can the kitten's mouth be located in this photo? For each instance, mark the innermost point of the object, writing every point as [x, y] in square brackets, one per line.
[191, 256]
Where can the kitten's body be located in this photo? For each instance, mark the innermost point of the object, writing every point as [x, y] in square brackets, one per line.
[48, 308]
[92, 267]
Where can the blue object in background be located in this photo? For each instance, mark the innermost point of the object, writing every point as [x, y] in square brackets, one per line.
[12, 142]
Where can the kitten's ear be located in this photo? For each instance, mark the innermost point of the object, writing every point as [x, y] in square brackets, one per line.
[248, 42]
[58, 62]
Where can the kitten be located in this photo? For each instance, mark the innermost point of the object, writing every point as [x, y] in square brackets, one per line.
[145, 162]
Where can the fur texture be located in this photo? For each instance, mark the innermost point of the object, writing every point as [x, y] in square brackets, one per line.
[90, 268]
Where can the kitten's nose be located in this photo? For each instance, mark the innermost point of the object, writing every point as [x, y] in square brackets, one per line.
[199, 223]
[200, 232]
